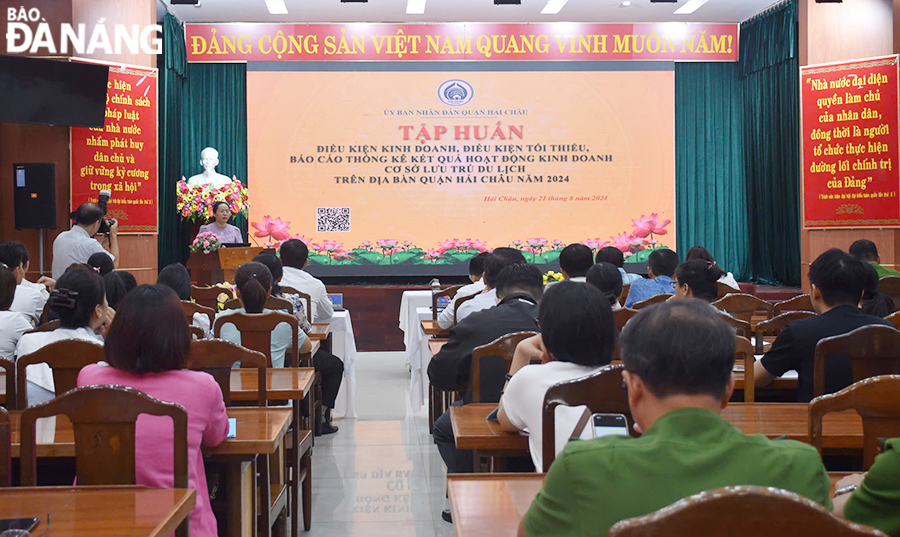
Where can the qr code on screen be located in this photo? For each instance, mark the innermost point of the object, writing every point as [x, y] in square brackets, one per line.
[330, 219]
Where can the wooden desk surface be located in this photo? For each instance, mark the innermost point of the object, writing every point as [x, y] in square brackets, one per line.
[319, 331]
[281, 383]
[100, 511]
[841, 430]
[431, 328]
[434, 345]
[259, 430]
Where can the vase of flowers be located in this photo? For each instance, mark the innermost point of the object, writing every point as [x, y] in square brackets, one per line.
[195, 203]
[551, 276]
[206, 242]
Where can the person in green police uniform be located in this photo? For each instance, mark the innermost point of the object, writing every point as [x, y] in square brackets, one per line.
[678, 359]
[873, 498]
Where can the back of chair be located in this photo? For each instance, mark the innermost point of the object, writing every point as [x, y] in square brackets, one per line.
[206, 296]
[5, 449]
[45, 313]
[775, 325]
[743, 306]
[603, 391]
[256, 332]
[504, 347]
[894, 319]
[65, 358]
[9, 367]
[743, 352]
[798, 303]
[190, 308]
[874, 399]
[725, 289]
[890, 285]
[655, 299]
[304, 297]
[624, 294]
[741, 328]
[459, 303]
[745, 510]
[272, 303]
[216, 356]
[49, 326]
[622, 316]
[104, 419]
[448, 292]
[873, 350]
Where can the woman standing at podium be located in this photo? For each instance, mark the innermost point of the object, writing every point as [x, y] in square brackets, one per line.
[227, 233]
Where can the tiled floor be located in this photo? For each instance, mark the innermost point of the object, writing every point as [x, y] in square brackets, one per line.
[381, 474]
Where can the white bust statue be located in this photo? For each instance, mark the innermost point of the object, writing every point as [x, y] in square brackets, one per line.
[209, 159]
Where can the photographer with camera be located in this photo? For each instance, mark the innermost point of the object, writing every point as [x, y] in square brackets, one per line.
[78, 244]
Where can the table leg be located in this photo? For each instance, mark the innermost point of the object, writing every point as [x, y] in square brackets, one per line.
[295, 470]
[235, 502]
[307, 492]
[265, 500]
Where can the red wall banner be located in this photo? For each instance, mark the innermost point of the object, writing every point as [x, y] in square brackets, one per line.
[673, 41]
[121, 157]
[850, 144]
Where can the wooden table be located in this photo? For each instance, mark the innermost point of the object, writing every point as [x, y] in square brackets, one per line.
[434, 345]
[127, 511]
[281, 383]
[431, 328]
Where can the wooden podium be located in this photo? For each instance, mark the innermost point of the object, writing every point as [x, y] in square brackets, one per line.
[220, 266]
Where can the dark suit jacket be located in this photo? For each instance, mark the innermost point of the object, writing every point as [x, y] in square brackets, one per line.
[452, 366]
[795, 348]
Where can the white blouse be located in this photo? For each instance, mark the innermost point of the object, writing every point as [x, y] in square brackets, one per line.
[41, 374]
[12, 325]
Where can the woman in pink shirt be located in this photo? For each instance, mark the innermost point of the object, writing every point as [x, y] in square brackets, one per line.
[147, 348]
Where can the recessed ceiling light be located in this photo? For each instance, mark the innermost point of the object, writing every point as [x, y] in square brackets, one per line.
[415, 7]
[626, 3]
[276, 7]
[690, 7]
[553, 7]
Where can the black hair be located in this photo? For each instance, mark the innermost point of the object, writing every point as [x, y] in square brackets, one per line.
[294, 253]
[493, 264]
[103, 262]
[680, 347]
[11, 254]
[701, 276]
[520, 277]
[23, 250]
[254, 281]
[7, 287]
[864, 250]
[86, 214]
[699, 252]
[576, 259]
[874, 302]
[176, 277]
[663, 262]
[839, 276]
[118, 284]
[275, 268]
[607, 279]
[476, 264]
[577, 324]
[611, 254]
[149, 333]
[511, 255]
[76, 295]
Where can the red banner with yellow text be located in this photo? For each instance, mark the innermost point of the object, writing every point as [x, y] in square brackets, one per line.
[850, 144]
[121, 157]
[671, 41]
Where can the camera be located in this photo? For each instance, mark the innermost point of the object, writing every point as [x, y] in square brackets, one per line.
[102, 201]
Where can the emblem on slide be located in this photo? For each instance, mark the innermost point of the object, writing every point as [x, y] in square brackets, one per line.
[455, 92]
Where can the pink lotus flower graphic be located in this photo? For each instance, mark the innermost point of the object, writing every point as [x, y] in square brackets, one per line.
[649, 226]
[331, 246]
[622, 241]
[593, 244]
[273, 228]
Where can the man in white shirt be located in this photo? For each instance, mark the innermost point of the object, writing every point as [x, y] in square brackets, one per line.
[29, 298]
[294, 256]
[574, 262]
[499, 259]
[476, 275]
[78, 244]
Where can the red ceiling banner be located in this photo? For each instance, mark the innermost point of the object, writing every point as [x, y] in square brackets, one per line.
[671, 41]
[850, 144]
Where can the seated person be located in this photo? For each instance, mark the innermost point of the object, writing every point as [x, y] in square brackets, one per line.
[80, 302]
[147, 349]
[874, 302]
[698, 278]
[118, 284]
[499, 259]
[873, 498]
[614, 256]
[177, 278]
[699, 252]
[277, 269]
[12, 323]
[574, 262]
[661, 265]
[678, 359]
[29, 299]
[294, 257]
[44, 284]
[836, 281]
[578, 337]
[866, 251]
[101, 263]
[476, 276]
[605, 277]
[519, 287]
[227, 233]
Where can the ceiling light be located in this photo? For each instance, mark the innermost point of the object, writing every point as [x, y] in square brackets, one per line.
[690, 7]
[415, 7]
[507, 2]
[276, 7]
[553, 7]
[626, 3]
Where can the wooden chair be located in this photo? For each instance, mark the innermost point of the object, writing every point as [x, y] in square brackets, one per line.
[5, 449]
[65, 358]
[873, 350]
[874, 399]
[894, 318]
[745, 510]
[460, 303]
[206, 296]
[624, 294]
[743, 352]
[217, 356]
[890, 285]
[272, 303]
[504, 347]
[196, 332]
[304, 297]
[448, 292]
[9, 366]
[622, 316]
[49, 326]
[775, 325]
[45, 313]
[741, 328]
[190, 308]
[603, 391]
[725, 289]
[743, 306]
[656, 299]
[104, 419]
[798, 303]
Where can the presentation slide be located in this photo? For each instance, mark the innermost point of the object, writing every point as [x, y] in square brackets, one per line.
[411, 173]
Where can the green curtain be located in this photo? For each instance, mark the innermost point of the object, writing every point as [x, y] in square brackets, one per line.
[201, 105]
